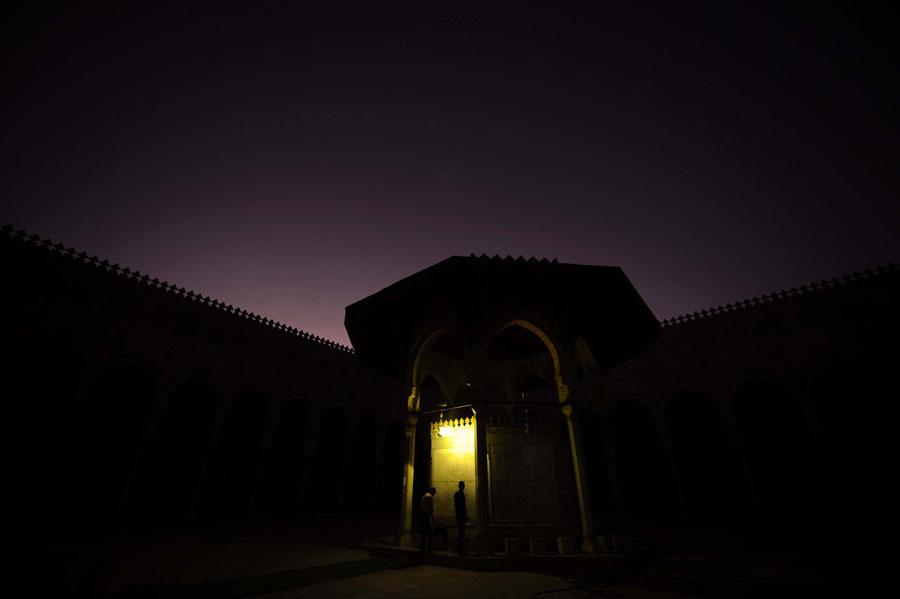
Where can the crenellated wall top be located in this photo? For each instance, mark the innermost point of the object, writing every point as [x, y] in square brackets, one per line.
[136, 276]
[785, 294]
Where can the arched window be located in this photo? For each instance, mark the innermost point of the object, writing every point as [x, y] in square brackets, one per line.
[170, 477]
[112, 425]
[640, 462]
[359, 493]
[707, 469]
[281, 482]
[232, 471]
[325, 489]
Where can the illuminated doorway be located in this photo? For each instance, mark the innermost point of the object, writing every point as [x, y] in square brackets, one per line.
[452, 460]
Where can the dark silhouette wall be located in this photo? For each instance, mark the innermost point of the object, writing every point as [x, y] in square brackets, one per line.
[647, 485]
[141, 400]
[762, 409]
[131, 398]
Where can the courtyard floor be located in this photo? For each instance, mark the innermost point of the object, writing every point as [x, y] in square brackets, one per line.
[333, 559]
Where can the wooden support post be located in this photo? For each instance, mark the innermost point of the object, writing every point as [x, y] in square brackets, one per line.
[589, 544]
[409, 458]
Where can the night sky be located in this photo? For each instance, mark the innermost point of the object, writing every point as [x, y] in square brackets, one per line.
[292, 158]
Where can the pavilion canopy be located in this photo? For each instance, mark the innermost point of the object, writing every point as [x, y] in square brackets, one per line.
[477, 293]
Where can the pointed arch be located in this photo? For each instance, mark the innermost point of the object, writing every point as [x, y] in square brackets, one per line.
[770, 423]
[232, 471]
[326, 480]
[282, 479]
[550, 341]
[390, 470]
[640, 461]
[361, 473]
[172, 471]
[112, 426]
[707, 466]
[426, 339]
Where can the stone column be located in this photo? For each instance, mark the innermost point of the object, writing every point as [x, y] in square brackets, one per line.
[261, 464]
[376, 480]
[476, 371]
[209, 455]
[741, 455]
[600, 404]
[615, 489]
[304, 484]
[674, 474]
[589, 544]
[482, 482]
[409, 458]
[129, 491]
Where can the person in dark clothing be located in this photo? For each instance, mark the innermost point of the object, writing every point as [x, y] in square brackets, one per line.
[462, 516]
[426, 518]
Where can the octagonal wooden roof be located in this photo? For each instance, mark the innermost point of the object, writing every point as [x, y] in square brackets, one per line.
[476, 293]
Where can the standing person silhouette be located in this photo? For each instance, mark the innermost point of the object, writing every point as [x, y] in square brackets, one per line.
[462, 516]
[426, 518]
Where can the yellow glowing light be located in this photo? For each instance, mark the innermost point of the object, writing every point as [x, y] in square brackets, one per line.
[452, 431]
[460, 427]
[452, 460]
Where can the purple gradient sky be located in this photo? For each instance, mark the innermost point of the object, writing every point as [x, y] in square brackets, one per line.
[294, 160]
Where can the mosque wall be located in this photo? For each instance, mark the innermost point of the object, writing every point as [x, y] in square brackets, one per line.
[134, 398]
[130, 397]
[762, 408]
